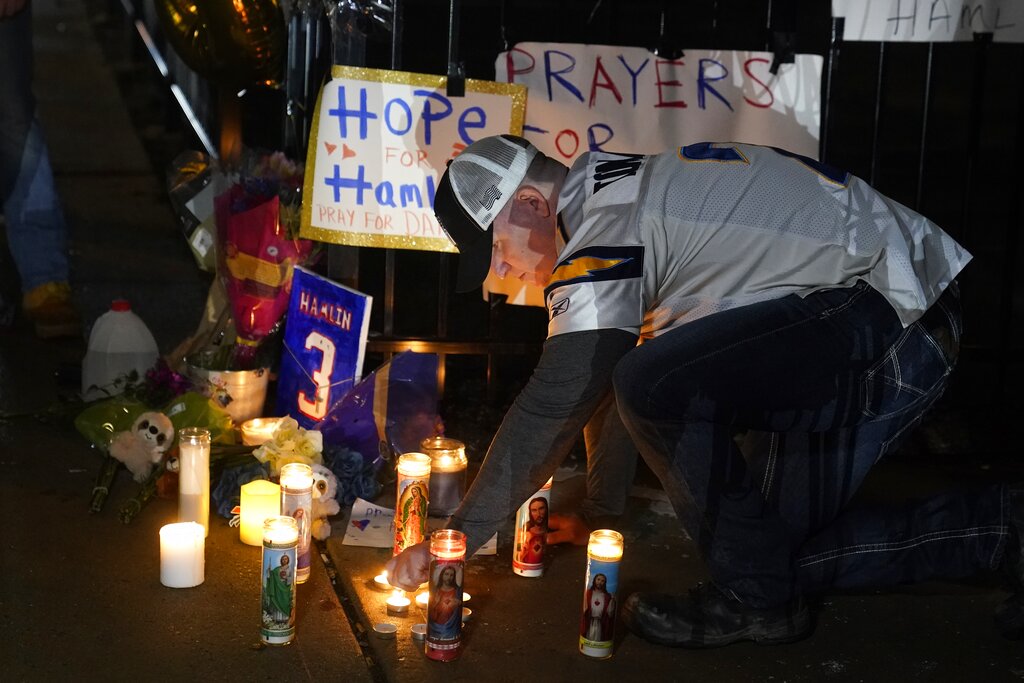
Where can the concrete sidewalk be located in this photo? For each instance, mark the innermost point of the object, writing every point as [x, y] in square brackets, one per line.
[81, 598]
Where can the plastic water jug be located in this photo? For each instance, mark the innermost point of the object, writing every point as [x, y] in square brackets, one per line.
[119, 343]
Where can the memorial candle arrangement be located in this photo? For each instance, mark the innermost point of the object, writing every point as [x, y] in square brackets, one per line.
[182, 555]
[260, 499]
[597, 627]
[297, 502]
[447, 473]
[444, 601]
[277, 596]
[194, 476]
[531, 533]
[411, 500]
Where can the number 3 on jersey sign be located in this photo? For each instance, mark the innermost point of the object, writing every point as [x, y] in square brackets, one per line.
[324, 343]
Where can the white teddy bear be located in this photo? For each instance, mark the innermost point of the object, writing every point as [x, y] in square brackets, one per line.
[142, 447]
[325, 502]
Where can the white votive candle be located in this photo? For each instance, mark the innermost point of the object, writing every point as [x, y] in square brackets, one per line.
[398, 604]
[182, 555]
[260, 430]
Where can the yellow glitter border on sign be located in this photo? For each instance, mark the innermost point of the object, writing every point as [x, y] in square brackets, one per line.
[516, 92]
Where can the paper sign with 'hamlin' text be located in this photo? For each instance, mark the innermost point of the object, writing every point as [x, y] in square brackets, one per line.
[380, 143]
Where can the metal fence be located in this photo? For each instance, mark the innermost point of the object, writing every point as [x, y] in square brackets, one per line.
[936, 126]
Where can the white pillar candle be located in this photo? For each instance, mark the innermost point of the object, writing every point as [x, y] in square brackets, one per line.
[182, 555]
[194, 476]
[260, 430]
[260, 499]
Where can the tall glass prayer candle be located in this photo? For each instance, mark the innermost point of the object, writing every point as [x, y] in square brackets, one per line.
[277, 596]
[444, 604]
[411, 500]
[597, 627]
[182, 555]
[297, 502]
[194, 476]
[531, 533]
[260, 499]
[447, 473]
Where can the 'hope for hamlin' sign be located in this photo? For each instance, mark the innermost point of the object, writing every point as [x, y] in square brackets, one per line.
[379, 147]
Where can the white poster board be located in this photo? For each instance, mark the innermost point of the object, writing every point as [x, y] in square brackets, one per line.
[930, 20]
[379, 145]
[627, 99]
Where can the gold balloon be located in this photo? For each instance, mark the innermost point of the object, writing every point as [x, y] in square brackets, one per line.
[237, 43]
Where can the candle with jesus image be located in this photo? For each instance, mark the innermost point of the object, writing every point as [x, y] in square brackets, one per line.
[411, 500]
[444, 601]
[277, 594]
[531, 533]
[597, 623]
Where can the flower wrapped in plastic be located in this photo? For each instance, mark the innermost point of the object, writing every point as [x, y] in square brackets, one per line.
[291, 443]
[257, 222]
[161, 390]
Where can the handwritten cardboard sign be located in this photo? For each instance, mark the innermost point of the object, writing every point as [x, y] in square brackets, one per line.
[380, 142]
[930, 20]
[627, 99]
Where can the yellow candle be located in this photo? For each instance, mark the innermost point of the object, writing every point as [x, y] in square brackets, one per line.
[260, 430]
[260, 499]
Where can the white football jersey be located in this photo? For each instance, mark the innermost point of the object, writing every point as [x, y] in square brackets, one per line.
[653, 242]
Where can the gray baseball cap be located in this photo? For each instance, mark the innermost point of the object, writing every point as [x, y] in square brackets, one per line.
[473, 190]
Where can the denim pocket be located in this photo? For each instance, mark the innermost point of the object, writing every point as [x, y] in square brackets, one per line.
[911, 374]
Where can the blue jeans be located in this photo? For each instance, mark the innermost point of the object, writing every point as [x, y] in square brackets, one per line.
[823, 387]
[36, 231]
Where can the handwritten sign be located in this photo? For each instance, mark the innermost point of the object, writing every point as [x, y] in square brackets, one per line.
[627, 99]
[380, 142]
[930, 20]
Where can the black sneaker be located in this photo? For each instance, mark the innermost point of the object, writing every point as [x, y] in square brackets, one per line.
[707, 617]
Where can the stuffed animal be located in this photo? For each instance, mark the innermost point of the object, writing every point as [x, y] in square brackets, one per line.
[142, 447]
[325, 502]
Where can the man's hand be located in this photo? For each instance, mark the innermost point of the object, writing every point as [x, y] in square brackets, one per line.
[410, 568]
[8, 8]
[567, 529]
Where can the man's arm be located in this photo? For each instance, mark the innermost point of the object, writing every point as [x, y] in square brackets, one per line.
[573, 374]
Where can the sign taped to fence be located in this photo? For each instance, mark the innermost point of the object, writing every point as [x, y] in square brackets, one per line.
[939, 21]
[379, 145]
[627, 99]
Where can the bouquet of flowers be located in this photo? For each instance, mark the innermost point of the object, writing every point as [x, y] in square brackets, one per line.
[291, 443]
[161, 390]
[257, 222]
